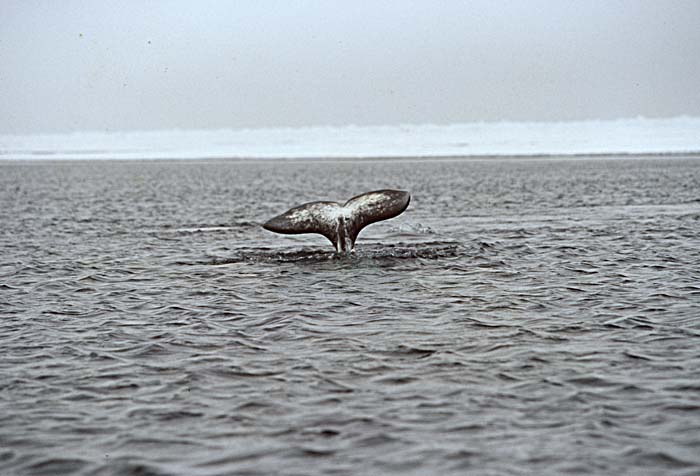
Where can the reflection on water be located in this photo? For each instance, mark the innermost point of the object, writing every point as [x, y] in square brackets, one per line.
[521, 317]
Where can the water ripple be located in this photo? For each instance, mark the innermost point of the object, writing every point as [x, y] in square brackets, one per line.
[522, 317]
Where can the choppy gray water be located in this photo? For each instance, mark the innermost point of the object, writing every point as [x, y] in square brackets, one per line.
[522, 317]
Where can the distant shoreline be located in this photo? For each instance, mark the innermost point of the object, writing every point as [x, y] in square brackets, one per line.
[398, 158]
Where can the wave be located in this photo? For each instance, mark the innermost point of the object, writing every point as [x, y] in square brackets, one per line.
[369, 253]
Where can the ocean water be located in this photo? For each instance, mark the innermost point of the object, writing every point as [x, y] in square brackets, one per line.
[521, 317]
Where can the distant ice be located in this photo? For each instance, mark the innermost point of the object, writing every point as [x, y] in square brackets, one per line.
[624, 136]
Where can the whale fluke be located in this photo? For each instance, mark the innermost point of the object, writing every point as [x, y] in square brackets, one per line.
[341, 223]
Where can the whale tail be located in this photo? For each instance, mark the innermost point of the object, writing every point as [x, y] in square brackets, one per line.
[341, 223]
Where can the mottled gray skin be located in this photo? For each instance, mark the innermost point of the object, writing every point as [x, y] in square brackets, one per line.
[341, 223]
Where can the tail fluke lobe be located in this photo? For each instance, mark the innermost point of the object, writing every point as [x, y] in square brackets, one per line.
[341, 223]
[376, 206]
[314, 217]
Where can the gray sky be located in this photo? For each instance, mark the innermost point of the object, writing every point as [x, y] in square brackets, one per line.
[99, 65]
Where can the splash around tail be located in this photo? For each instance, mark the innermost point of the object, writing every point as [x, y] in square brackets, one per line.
[341, 224]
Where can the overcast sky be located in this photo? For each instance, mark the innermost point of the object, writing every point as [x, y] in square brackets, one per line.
[100, 65]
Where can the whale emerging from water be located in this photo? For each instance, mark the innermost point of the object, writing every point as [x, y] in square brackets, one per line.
[341, 223]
